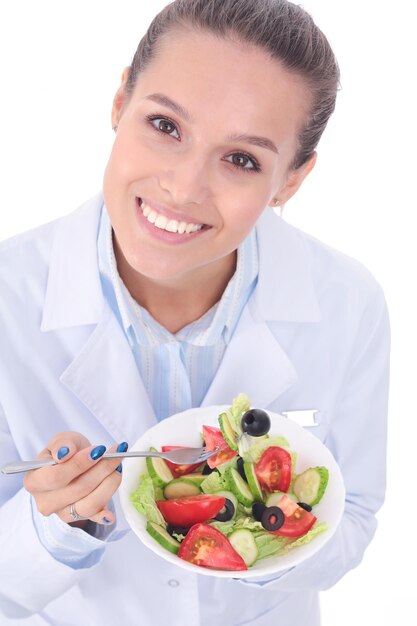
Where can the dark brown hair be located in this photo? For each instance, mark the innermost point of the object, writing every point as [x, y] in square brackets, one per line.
[281, 28]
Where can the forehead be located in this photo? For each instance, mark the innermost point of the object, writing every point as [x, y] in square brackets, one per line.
[224, 79]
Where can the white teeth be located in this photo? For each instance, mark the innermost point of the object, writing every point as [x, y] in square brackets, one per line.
[172, 226]
[163, 223]
[152, 217]
[146, 209]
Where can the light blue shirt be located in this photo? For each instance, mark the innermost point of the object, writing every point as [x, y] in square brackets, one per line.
[176, 369]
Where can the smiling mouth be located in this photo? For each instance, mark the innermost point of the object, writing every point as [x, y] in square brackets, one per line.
[159, 220]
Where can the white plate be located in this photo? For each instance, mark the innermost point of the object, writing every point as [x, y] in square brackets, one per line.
[184, 429]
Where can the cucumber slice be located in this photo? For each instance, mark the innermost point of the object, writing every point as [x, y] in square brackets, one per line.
[239, 487]
[158, 470]
[230, 496]
[229, 433]
[253, 482]
[274, 498]
[179, 488]
[309, 487]
[244, 543]
[197, 478]
[162, 537]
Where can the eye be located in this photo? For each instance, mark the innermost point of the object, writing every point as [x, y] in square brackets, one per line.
[244, 162]
[163, 125]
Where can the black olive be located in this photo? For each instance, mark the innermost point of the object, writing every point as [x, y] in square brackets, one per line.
[226, 513]
[240, 468]
[207, 469]
[256, 422]
[272, 518]
[178, 530]
[305, 506]
[257, 509]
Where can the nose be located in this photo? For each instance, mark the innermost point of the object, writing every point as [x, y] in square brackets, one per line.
[187, 181]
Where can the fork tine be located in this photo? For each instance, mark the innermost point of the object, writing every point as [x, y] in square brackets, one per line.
[184, 456]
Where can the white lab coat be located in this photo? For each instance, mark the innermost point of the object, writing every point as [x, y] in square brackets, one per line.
[314, 335]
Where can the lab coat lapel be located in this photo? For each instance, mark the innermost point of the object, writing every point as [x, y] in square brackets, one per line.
[254, 363]
[103, 374]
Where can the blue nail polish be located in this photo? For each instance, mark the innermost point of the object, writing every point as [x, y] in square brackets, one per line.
[62, 452]
[107, 521]
[119, 468]
[97, 452]
[122, 447]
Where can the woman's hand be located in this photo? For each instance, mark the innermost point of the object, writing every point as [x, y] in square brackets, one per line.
[79, 478]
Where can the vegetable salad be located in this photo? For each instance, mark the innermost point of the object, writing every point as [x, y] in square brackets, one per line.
[245, 504]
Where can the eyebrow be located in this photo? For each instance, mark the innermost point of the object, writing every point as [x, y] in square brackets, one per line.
[261, 142]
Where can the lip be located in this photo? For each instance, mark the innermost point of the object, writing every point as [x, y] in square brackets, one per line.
[168, 212]
[164, 235]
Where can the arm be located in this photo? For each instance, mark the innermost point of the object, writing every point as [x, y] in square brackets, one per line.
[31, 543]
[357, 438]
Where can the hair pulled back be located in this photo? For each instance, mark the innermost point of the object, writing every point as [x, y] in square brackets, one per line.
[284, 30]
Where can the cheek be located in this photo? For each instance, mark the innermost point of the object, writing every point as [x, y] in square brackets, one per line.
[244, 208]
[126, 162]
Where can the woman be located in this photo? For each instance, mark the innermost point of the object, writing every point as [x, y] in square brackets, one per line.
[177, 287]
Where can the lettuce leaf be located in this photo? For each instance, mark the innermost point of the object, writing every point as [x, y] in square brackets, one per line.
[224, 527]
[317, 529]
[143, 499]
[255, 451]
[240, 405]
[270, 545]
[214, 482]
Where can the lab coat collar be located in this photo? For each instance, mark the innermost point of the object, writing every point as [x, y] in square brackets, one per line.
[285, 290]
[74, 295]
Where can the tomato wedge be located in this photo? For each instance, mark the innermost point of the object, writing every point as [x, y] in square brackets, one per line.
[297, 522]
[214, 439]
[179, 470]
[273, 469]
[208, 547]
[191, 509]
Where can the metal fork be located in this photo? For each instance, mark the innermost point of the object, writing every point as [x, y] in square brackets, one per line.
[183, 456]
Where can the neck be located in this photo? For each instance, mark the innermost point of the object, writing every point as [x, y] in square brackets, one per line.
[178, 301]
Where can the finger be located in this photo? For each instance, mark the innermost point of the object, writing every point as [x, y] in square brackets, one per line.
[49, 502]
[61, 448]
[64, 445]
[56, 477]
[95, 505]
[95, 472]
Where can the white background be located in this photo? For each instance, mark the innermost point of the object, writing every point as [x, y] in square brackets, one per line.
[60, 64]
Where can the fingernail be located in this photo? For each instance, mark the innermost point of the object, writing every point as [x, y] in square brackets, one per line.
[119, 468]
[62, 452]
[107, 521]
[97, 452]
[122, 447]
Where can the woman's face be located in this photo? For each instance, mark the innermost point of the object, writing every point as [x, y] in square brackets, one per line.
[202, 146]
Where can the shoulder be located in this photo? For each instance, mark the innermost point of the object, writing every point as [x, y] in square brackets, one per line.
[25, 258]
[308, 279]
[337, 271]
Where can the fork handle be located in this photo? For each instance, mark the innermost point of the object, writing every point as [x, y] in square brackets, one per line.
[26, 466]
